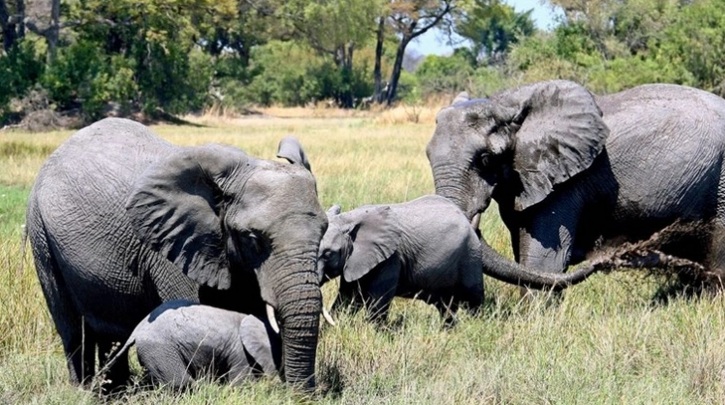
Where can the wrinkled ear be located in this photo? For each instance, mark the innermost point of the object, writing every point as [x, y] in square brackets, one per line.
[290, 149]
[175, 207]
[261, 343]
[561, 133]
[334, 210]
[460, 98]
[375, 235]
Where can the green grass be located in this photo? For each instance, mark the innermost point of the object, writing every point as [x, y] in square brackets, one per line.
[607, 341]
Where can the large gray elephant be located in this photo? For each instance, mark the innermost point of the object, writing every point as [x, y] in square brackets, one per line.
[571, 171]
[424, 248]
[121, 221]
[180, 342]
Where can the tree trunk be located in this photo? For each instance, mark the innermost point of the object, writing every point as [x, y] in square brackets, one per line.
[12, 26]
[53, 30]
[378, 95]
[345, 98]
[397, 68]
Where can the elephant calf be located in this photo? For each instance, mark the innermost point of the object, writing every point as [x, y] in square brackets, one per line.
[424, 249]
[181, 341]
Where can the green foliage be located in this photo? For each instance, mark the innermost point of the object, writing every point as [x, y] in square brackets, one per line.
[696, 43]
[492, 27]
[288, 73]
[187, 55]
[20, 69]
[444, 74]
[76, 77]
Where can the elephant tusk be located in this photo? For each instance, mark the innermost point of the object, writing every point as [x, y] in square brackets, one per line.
[272, 319]
[328, 317]
[476, 221]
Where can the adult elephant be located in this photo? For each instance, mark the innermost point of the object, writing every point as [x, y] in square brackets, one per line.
[121, 221]
[571, 171]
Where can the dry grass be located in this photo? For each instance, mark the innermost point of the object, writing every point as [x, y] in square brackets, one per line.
[606, 341]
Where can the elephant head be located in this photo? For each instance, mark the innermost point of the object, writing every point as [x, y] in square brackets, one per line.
[519, 145]
[356, 242]
[213, 211]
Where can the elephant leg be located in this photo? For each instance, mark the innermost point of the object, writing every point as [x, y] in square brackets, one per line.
[79, 345]
[165, 366]
[547, 235]
[119, 374]
[471, 290]
[448, 307]
[348, 296]
[78, 342]
[379, 288]
[715, 261]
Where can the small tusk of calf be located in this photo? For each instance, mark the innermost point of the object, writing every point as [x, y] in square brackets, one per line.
[272, 319]
[476, 221]
[328, 317]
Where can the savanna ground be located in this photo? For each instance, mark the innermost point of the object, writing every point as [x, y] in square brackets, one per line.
[608, 340]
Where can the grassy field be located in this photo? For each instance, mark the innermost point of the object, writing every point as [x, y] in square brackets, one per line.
[606, 341]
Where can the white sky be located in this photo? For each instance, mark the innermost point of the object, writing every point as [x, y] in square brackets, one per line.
[433, 42]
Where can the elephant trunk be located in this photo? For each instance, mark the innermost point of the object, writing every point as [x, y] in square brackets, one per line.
[509, 271]
[299, 302]
[471, 194]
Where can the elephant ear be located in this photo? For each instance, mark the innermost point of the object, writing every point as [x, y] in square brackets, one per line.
[261, 343]
[460, 98]
[290, 149]
[561, 133]
[375, 235]
[334, 210]
[176, 208]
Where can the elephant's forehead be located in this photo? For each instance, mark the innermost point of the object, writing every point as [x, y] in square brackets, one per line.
[471, 103]
[283, 178]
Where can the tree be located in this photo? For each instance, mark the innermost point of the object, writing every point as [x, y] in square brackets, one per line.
[335, 28]
[491, 27]
[409, 20]
[11, 22]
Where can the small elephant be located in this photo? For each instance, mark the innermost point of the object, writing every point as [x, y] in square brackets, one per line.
[424, 249]
[180, 341]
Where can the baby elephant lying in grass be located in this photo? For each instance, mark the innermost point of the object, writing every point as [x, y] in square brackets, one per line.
[180, 341]
[424, 249]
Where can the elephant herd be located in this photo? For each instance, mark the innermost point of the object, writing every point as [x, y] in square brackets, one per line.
[140, 241]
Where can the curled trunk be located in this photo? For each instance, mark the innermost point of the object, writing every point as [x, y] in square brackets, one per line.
[509, 271]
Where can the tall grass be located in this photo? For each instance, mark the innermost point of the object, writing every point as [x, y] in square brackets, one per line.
[605, 341]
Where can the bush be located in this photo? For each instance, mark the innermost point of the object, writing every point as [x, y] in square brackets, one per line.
[444, 74]
[20, 69]
[291, 74]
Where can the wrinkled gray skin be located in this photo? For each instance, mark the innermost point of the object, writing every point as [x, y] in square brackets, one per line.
[180, 342]
[121, 221]
[571, 171]
[423, 249]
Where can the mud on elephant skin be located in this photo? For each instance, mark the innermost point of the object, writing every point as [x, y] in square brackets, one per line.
[121, 220]
[572, 171]
[180, 342]
[423, 249]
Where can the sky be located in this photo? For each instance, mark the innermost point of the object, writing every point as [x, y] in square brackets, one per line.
[433, 42]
